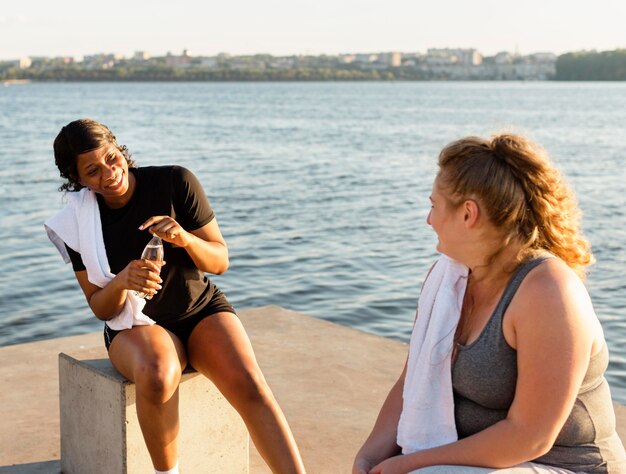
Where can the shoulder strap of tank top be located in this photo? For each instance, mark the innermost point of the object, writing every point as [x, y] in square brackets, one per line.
[515, 282]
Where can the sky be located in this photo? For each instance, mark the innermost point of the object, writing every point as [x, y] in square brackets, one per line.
[285, 27]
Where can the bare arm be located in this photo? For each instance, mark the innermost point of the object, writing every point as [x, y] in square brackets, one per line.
[381, 443]
[107, 302]
[553, 331]
[206, 246]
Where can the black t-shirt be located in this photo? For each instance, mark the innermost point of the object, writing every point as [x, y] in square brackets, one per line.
[160, 190]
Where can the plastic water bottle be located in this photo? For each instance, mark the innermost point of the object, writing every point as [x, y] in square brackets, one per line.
[153, 251]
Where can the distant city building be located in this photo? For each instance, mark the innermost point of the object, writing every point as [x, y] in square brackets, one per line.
[447, 56]
[365, 58]
[411, 59]
[246, 63]
[24, 63]
[63, 60]
[503, 58]
[281, 63]
[183, 60]
[435, 64]
[439, 57]
[393, 59]
[469, 57]
[543, 57]
[101, 61]
[208, 62]
[141, 56]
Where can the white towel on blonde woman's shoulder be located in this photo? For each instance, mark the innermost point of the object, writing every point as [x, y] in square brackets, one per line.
[427, 418]
[78, 225]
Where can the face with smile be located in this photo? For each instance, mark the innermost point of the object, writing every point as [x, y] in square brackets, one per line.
[105, 171]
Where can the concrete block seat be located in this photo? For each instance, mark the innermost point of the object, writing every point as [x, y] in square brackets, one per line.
[100, 432]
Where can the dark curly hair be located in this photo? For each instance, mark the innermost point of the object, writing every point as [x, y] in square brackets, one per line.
[78, 137]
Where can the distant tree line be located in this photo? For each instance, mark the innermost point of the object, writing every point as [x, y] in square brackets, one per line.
[592, 66]
[166, 73]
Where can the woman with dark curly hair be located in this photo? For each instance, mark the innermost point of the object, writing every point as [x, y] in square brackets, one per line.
[113, 208]
[506, 363]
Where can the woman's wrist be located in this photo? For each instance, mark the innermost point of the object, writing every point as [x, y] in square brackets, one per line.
[411, 462]
[187, 239]
[117, 286]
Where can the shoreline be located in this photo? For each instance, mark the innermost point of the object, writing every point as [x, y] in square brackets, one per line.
[8, 82]
[12, 82]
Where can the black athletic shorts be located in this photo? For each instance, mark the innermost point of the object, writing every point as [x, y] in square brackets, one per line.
[182, 328]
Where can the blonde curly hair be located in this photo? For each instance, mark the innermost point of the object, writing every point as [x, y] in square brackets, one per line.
[522, 193]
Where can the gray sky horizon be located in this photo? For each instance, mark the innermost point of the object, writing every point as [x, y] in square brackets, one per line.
[281, 27]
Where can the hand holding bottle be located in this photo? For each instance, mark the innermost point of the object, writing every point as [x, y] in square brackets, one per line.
[153, 252]
[141, 276]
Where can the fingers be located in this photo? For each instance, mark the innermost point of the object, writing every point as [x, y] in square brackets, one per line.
[146, 287]
[152, 220]
[166, 228]
[143, 276]
[151, 265]
[163, 226]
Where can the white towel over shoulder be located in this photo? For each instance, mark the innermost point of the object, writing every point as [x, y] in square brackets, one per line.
[78, 225]
[427, 418]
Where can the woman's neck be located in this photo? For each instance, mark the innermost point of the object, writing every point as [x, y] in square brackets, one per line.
[490, 268]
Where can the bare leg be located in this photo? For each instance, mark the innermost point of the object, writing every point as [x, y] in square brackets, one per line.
[220, 349]
[154, 359]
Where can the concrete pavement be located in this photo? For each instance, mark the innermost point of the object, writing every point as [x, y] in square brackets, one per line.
[330, 381]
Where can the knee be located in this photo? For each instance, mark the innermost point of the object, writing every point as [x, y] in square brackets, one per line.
[245, 387]
[157, 380]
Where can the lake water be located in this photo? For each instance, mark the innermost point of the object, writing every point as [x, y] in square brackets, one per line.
[321, 189]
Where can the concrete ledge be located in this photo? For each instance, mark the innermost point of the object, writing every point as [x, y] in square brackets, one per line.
[100, 433]
[330, 381]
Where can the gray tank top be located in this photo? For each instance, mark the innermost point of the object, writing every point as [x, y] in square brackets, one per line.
[484, 376]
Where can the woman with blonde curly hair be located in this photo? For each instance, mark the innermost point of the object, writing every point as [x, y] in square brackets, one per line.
[507, 358]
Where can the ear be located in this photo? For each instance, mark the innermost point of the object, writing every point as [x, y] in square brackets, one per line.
[471, 212]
